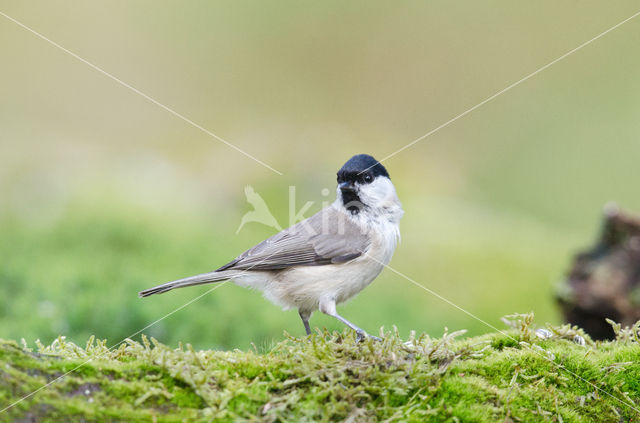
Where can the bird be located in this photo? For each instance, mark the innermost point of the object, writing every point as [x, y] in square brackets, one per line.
[326, 259]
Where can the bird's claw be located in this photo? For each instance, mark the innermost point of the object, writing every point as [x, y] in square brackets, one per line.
[362, 335]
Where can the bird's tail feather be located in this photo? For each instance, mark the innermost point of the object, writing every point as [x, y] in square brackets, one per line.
[190, 281]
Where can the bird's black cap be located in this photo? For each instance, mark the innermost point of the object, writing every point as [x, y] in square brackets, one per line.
[361, 164]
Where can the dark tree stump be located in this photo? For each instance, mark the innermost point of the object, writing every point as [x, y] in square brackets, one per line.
[605, 281]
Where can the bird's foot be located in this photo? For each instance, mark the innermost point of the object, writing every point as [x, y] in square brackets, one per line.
[362, 335]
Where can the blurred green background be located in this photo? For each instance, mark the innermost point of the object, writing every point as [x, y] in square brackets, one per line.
[103, 193]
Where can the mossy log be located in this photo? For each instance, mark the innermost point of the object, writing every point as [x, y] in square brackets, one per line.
[522, 374]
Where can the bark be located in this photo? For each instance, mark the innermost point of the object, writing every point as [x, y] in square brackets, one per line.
[604, 281]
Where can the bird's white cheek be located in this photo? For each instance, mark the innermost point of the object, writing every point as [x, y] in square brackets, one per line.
[377, 193]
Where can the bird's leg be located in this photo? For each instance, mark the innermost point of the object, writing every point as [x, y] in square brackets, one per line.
[305, 315]
[328, 307]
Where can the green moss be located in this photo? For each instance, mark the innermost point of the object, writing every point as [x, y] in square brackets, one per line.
[331, 377]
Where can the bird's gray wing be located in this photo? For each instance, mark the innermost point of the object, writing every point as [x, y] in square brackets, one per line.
[327, 237]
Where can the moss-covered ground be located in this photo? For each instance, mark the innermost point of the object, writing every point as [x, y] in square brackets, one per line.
[557, 374]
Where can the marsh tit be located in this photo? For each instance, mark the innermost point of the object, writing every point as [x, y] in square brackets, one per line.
[326, 259]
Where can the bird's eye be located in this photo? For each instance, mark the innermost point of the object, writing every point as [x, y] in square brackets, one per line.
[368, 178]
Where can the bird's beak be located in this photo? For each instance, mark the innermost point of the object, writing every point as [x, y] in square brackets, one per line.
[346, 187]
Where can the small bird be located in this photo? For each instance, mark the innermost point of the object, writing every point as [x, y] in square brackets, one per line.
[326, 259]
